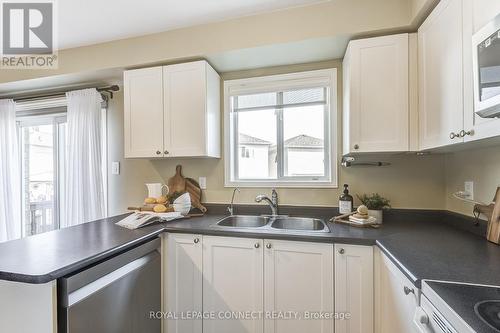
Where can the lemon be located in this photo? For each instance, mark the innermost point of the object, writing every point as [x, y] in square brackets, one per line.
[160, 209]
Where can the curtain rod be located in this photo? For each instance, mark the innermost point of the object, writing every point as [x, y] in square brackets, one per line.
[103, 90]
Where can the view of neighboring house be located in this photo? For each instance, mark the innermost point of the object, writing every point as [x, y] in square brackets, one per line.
[253, 157]
[303, 156]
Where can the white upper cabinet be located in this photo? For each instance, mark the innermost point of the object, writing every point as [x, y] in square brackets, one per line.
[396, 298]
[143, 119]
[172, 111]
[354, 288]
[298, 278]
[441, 74]
[376, 116]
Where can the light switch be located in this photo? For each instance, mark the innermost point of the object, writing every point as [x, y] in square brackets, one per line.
[469, 189]
[203, 182]
[115, 168]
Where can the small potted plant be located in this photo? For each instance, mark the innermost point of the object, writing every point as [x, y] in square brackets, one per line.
[375, 204]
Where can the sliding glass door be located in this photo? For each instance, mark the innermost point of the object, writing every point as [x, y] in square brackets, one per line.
[42, 142]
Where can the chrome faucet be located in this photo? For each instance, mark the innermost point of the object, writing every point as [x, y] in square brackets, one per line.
[230, 208]
[273, 202]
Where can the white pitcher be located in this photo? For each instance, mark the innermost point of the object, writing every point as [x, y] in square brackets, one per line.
[155, 190]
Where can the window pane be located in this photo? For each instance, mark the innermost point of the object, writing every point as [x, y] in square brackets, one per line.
[257, 100]
[304, 146]
[257, 144]
[312, 95]
[38, 178]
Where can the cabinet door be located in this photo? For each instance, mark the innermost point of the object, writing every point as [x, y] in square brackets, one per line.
[354, 288]
[185, 109]
[143, 118]
[441, 75]
[183, 284]
[299, 280]
[377, 105]
[232, 284]
[396, 298]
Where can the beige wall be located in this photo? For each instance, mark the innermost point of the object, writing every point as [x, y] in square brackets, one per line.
[327, 19]
[410, 182]
[127, 188]
[479, 165]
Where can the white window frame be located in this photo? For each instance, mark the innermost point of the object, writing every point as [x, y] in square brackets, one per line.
[302, 80]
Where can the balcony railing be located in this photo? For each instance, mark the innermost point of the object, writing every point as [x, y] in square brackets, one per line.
[41, 218]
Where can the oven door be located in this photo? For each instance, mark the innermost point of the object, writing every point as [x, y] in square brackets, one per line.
[486, 65]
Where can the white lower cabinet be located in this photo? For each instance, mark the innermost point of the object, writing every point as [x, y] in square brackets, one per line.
[272, 286]
[396, 298]
[298, 278]
[354, 288]
[233, 282]
[183, 281]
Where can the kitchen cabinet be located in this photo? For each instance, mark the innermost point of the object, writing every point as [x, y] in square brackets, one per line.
[143, 118]
[445, 74]
[396, 298]
[172, 111]
[378, 83]
[299, 278]
[229, 276]
[354, 288]
[183, 281]
[233, 281]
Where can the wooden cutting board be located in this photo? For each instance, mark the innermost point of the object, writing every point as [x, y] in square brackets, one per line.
[179, 184]
[493, 233]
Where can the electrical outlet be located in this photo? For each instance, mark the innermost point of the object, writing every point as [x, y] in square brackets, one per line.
[203, 182]
[469, 190]
[115, 168]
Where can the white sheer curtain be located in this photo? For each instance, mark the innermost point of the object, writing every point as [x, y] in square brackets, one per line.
[10, 181]
[84, 187]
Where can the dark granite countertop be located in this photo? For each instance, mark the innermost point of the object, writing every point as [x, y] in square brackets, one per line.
[419, 242]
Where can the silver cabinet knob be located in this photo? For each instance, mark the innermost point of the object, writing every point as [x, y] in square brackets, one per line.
[464, 133]
[196, 240]
[356, 146]
[268, 245]
[166, 152]
[454, 135]
[408, 290]
[158, 152]
[256, 245]
[341, 251]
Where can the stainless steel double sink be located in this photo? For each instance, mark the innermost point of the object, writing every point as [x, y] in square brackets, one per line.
[280, 222]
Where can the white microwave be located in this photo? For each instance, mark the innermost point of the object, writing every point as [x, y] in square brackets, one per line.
[486, 61]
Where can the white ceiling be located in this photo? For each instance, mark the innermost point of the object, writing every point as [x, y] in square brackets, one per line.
[96, 21]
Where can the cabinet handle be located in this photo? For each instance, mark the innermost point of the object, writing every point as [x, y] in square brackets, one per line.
[356, 146]
[454, 135]
[158, 152]
[341, 251]
[408, 290]
[256, 245]
[464, 133]
[268, 245]
[196, 240]
[166, 152]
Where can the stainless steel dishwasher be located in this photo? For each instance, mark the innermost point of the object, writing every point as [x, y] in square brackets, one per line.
[115, 296]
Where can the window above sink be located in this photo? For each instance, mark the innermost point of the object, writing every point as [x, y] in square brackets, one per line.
[280, 131]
